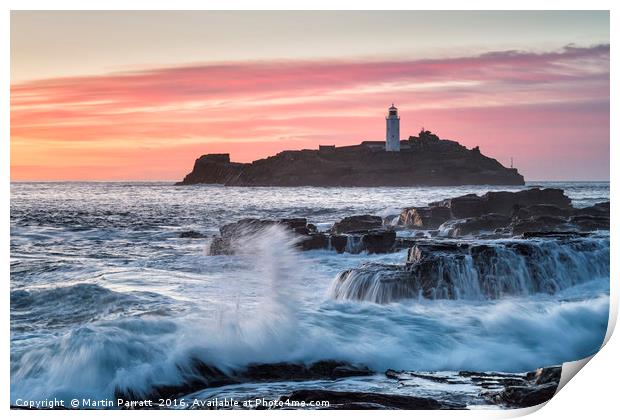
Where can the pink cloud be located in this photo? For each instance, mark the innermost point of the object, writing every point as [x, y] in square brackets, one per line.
[501, 100]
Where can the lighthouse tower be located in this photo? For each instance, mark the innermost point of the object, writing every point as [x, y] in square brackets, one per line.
[392, 123]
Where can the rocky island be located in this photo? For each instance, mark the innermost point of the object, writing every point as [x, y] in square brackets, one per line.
[422, 160]
[425, 160]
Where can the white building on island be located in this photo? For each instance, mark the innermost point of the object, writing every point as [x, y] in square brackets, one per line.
[392, 137]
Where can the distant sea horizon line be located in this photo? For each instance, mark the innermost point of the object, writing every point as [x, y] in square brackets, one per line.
[153, 181]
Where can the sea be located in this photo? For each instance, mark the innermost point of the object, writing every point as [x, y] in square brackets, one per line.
[106, 295]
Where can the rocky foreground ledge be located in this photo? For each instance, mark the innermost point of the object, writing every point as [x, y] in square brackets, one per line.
[471, 389]
[529, 213]
[473, 269]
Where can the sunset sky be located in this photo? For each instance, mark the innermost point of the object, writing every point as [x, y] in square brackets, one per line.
[140, 95]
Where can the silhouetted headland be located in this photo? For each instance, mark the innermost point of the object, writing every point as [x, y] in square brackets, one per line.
[425, 160]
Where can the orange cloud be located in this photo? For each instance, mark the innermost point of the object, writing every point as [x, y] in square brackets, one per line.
[152, 124]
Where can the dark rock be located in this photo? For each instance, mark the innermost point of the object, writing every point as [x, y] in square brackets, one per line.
[325, 369]
[603, 205]
[402, 243]
[552, 234]
[353, 224]
[374, 242]
[590, 223]
[377, 242]
[540, 224]
[191, 234]
[503, 202]
[484, 376]
[548, 375]
[428, 376]
[542, 210]
[539, 387]
[303, 231]
[314, 241]
[295, 223]
[495, 381]
[552, 218]
[369, 400]
[200, 375]
[423, 251]
[533, 211]
[230, 233]
[195, 377]
[549, 218]
[525, 396]
[392, 374]
[368, 239]
[338, 243]
[424, 217]
[213, 169]
[221, 246]
[474, 225]
[597, 210]
[426, 161]
[584, 223]
[469, 205]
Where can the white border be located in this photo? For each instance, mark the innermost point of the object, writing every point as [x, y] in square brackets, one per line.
[592, 395]
[307, 5]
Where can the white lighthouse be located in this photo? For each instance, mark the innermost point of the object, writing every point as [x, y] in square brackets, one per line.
[392, 137]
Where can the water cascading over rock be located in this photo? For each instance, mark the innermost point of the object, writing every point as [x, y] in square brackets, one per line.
[477, 270]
